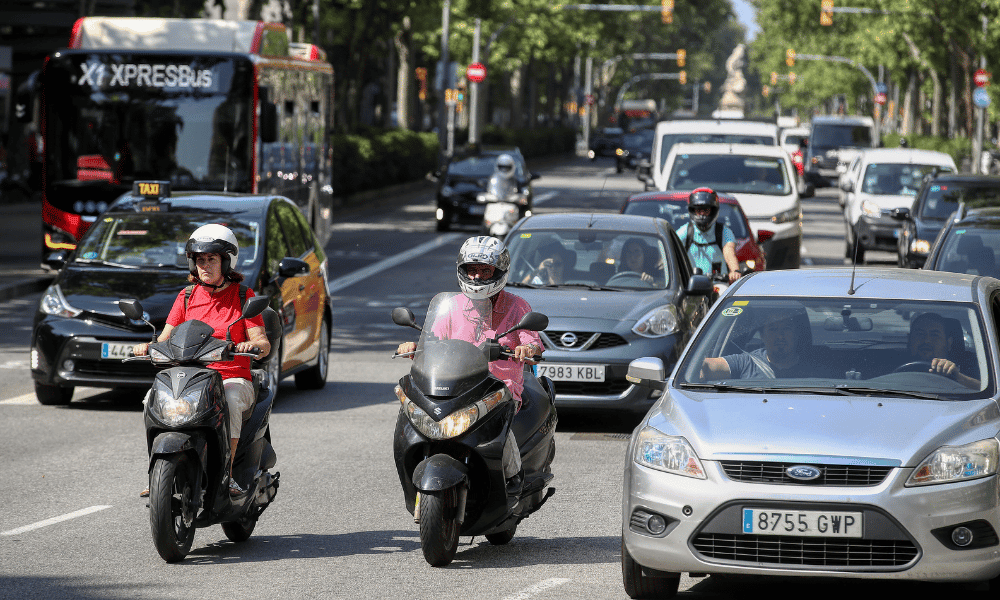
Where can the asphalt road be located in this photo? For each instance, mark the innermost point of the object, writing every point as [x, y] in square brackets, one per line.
[72, 525]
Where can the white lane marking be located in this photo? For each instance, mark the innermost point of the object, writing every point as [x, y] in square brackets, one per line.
[537, 588]
[24, 400]
[348, 280]
[54, 520]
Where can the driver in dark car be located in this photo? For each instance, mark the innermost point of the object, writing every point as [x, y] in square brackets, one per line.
[929, 343]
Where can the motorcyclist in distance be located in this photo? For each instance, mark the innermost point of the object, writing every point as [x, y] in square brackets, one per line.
[710, 244]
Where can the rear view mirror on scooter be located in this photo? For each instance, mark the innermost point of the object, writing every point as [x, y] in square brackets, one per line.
[404, 317]
[532, 321]
[132, 309]
[252, 308]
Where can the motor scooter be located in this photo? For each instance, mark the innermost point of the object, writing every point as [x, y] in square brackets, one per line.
[451, 439]
[188, 439]
[503, 201]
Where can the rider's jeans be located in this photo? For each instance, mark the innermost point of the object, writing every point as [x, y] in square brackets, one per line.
[511, 457]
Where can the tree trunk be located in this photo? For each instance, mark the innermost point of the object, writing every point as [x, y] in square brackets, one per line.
[404, 44]
[908, 102]
[953, 91]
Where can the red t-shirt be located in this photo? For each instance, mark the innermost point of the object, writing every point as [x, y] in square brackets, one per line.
[218, 311]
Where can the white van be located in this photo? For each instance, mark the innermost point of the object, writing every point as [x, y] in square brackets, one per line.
[761, 177]
[669, 133]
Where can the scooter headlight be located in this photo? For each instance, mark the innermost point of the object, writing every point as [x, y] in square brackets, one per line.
[454, 424]
[174, 410]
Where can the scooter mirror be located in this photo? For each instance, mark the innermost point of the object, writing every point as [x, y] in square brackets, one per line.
[131, 308]
[404, 317]
[255, 306]
[533, 321]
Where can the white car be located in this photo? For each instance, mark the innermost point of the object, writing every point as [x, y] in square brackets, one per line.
[669, 133]
[791, 137]
[761, 177]
[879, 181]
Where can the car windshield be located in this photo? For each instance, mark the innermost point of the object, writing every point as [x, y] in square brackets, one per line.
[480, 166]
[730, 173]
[841, 136]
[841, 345]
[793, 139]
[640, 140]
[887, 179]
[970, 250]
[587, 258]
[667, 141]
[942, 199]
[158, 239]
[676, 213]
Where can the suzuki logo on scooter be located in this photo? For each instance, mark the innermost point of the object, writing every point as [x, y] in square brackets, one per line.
[437, 410]
[568, 339]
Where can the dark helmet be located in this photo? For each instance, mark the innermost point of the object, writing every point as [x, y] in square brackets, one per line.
[704, 197]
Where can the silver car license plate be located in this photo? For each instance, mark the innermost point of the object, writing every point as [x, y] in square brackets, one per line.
[115, 350]
[557, 372]
[802, 523]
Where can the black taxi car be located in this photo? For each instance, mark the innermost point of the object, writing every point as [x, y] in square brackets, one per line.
[136, 250]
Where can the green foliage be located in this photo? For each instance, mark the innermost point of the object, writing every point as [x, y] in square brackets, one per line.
[958, 148]
[532, 142]
[376, 159]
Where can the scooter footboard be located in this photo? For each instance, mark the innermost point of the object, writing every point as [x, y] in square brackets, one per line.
[440, 472]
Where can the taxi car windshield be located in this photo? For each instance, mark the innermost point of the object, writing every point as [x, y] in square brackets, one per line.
[592, 259]
[158, 239]
[841, 346]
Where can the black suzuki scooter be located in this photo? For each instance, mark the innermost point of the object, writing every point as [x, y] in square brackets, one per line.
[452, 433]
[187, 436]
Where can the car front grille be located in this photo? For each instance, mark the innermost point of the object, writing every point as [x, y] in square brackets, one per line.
[591, 388]
[805, 551]
[116, 369]
[582, 340]
[830, 475]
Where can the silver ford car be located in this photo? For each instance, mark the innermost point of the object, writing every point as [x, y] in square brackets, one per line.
[823, 423]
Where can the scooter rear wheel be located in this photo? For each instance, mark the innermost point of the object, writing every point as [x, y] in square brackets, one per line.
[439, 526]
[171, 508]
[502, 537]
[239, 531]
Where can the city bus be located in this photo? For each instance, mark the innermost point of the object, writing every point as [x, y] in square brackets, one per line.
[227, 106]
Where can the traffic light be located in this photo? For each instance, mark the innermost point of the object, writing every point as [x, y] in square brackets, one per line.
[708, 87]
[667, 11]
[765, 91]
[684, 77]
[790, 57]
[681, 57]
[791, 78]
[774, 78]
[826, 12]
[461, 91]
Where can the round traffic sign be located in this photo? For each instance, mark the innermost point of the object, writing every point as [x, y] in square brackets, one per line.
[981, 78]
[880, 98]
[980, 97]
[476, 72]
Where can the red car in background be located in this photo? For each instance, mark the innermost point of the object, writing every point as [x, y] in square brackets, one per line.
[672, 207]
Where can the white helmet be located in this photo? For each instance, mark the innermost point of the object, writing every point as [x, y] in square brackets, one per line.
[505, 165]
[214, 238]
[483, 250]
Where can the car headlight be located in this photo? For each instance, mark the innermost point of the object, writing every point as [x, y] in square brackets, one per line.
[454, 424]
[948, 464]
[174, 410]
[870, 208]
[920, 246]
[787, 216]
[54, 303]
[447, 191]
[672, 454]
[658, 322]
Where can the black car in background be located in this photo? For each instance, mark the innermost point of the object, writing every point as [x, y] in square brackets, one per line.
[938, 198]
[604, 142]
[968, 243]
[135, 249]
[635, 146]
[465, 177]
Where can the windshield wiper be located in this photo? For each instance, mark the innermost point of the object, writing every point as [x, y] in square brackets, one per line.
[524, 285]
[106, 263]
[870, 391]
[588, 286]
[725, 387]
[835, 390]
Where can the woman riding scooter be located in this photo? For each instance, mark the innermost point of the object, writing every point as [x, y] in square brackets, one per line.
[212, 252]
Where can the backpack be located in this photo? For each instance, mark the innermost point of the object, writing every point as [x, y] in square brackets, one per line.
[243, 300]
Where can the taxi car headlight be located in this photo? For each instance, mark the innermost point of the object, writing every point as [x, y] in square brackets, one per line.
[871, 209]
[671, 454]
[54, 303]
[787, 216]
[454, 424]
[658, 322]
[174, 410]
[920, 246]
[948, 464]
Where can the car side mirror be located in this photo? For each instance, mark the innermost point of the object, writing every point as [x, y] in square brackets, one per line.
[847, 185]
[56, 260]
[808, 191]
[763, 235]
[534, 176]
[292, 267]
[700, 285]
[901, 214]
[648, 372]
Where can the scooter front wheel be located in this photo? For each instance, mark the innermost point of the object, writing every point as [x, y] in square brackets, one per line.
[171, 506]
[439, 526]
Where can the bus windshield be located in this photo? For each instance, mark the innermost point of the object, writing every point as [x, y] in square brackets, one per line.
[112, 118]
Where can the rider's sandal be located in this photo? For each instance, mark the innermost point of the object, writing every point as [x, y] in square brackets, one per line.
[234, 488]
[144, 493]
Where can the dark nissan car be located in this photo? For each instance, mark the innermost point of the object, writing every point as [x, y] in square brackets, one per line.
[937, 200]
[136, 250]
[968, 243]
[464, 179]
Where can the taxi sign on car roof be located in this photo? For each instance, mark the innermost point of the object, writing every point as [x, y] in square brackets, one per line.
[150, 193]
